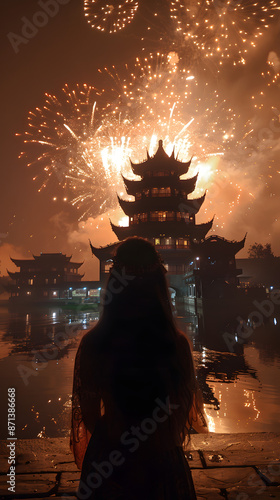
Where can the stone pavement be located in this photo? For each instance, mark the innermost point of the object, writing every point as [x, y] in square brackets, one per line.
[229, 466]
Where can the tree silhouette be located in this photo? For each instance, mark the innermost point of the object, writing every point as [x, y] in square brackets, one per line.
[259, 251]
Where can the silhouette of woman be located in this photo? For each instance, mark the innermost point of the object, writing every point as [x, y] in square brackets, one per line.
[135, 396]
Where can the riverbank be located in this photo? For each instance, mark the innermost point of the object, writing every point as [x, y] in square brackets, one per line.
[229, 466]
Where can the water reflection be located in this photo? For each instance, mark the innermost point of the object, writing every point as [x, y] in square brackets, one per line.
[37, 352]
[239, 381]
[37, 329]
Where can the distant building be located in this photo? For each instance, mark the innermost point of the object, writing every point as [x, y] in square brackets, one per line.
[49, 276]
[162, 213]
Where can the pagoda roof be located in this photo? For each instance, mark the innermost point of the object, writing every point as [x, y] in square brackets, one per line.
[172, 203]
[155, 229]
[46, 258]
[214, 246]
[13, 275]
[52, 256]
[107, 253]
[160, 162]
[136, 186]
[104, 253]
[188, 185]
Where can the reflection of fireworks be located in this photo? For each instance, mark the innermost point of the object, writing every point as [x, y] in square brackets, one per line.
[224, 29]
[87, 139]
[110, 16]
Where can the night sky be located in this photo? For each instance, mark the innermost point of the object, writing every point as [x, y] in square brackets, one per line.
[68, 50]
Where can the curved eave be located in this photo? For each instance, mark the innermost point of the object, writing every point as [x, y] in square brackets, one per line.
[155, 164]
[128, 207]
[132, 187]
[238, 245]
[160, 161]
[12, 275]
[49, 256]
[96, 251]
[188, 185]
[21, 262]
[161, 204]
[136, 186]
[183, 167]
[215, 245]
[153, 229]
[121, 232]
[77, 265]
[200, 230]
[104, 253]
[192, 206]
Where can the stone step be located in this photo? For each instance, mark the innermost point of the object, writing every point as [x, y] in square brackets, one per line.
[230, 466]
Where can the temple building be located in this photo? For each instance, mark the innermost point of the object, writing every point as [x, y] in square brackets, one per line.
[163, 213]
[49, 276]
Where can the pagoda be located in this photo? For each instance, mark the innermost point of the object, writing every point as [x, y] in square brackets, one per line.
[46, 276]
[162, 212]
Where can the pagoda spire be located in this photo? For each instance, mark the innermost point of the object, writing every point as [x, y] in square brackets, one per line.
[162, 159]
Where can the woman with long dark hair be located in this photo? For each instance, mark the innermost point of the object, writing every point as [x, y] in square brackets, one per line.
[135, 395]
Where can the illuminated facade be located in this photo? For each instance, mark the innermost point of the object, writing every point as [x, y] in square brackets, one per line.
[161, 212]
[49, 276]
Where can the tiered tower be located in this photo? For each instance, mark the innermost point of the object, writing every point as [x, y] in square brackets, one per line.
[162, 212]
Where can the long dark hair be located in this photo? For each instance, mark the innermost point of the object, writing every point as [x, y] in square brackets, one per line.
[136, 303]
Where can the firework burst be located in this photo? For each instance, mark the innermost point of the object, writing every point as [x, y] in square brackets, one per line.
[223, 29]
[87, 136]
[110, 16]
[62, 141]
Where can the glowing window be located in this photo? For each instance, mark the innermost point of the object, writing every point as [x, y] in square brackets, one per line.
[143, 217]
